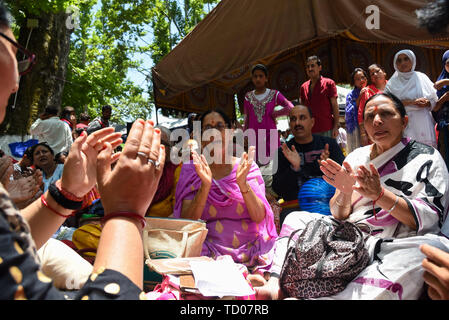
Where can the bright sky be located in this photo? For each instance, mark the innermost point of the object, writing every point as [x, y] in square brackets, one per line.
[140, 79]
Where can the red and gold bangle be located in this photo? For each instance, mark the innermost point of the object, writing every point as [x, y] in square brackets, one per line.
[130, 215]
[45, 203]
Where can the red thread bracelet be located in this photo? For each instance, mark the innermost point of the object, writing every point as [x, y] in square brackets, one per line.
[130, 215]
[45, 203]
[67, 194]
[374, 202]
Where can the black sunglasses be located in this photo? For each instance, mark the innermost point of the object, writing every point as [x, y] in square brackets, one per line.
[29, 60]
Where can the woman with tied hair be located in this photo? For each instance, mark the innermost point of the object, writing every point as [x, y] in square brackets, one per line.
[229, 197]
[417, 93]
[377, 82]
[259, 112]
[396, 190]
[359, 81]
[43, 158]
[441, 110]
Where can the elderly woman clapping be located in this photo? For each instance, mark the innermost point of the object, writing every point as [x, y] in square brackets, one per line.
[395, 188]
[403, 180]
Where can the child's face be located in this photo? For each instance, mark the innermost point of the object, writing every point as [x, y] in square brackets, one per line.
[259, 79]
[360, 80]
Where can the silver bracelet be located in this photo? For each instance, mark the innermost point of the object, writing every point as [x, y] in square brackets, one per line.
[394, 206]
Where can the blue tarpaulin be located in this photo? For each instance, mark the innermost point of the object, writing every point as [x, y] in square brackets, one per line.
[19, 148]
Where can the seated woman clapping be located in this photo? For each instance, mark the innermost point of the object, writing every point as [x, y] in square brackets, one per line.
[230, 198]
[395, 188]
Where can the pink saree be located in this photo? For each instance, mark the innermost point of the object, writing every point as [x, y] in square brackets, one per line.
[231, 230]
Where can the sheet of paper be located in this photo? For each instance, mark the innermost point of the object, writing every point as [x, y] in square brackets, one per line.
[220, 278]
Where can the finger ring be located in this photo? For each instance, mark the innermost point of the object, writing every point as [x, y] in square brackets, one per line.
[142, 154]
[156, 164]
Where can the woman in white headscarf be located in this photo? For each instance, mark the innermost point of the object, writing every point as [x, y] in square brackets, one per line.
[418, 95]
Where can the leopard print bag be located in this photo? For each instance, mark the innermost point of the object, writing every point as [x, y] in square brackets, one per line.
[326, 256]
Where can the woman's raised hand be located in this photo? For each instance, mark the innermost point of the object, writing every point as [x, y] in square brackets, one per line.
[341, 177]
[80, 169]
[244, 166]
[369, 182]
[131, 185]
[202, 169]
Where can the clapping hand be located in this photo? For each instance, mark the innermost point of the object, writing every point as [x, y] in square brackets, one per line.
[369, 182]
[244, 166]
[80, 169]
[202, 169]
[341, 177]
[325, 154]
[25, 188]
[292, 156]
[131, 186]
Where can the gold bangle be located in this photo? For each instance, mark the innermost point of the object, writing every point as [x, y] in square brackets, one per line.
[245, 192]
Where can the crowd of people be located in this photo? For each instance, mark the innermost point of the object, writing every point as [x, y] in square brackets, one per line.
[392, 178]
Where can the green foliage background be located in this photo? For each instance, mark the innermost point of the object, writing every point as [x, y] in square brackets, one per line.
[108, 36]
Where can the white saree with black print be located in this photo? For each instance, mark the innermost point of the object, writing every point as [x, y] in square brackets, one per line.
[417, 173]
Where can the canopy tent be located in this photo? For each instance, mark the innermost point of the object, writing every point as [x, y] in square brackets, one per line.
[212, 63]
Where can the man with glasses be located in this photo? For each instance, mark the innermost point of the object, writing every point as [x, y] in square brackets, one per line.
[299, 158]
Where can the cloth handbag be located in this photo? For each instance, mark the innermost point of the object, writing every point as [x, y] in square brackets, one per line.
[326, 256]
[170, 238]
[173, 238]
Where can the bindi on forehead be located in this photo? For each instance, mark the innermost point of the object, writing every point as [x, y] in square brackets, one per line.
[378, 107]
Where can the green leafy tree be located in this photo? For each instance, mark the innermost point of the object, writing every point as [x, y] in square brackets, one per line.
[171, 21]
[86, 48]
[101, 55]
[41, 27]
